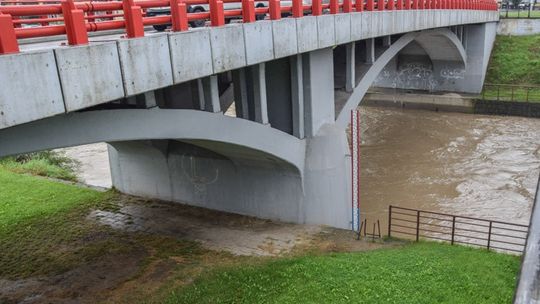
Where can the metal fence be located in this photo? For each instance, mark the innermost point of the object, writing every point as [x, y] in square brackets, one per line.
[507, 11]
[510, 92]
[455, 229]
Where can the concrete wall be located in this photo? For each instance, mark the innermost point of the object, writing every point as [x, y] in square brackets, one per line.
[420, 67]
[234, 180]
[101, 72]
[230, 178]
[518, 27]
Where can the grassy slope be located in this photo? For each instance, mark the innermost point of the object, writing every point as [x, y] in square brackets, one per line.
[44, 230]
[515, 60]
[418, 273]
[35, 224]
[23, 198]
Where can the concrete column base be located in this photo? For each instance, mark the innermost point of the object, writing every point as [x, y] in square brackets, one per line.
[239, 180]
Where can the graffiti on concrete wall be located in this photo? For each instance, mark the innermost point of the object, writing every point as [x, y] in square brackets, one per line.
[420, 76]
[199, 173]
[412, 75]
[449, 73]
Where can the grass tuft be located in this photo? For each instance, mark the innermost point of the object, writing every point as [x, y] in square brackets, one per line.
[48, 163]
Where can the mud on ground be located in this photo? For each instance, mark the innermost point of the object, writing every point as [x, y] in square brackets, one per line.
[166, 245]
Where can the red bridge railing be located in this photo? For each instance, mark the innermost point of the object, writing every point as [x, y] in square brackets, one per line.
[21, 19]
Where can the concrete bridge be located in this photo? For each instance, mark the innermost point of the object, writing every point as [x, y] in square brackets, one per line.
[287, 85]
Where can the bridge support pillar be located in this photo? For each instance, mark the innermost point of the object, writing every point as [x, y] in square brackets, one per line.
[297, 96]
[370, 51]
[209, 94]
[350, 77]
[234, 179]
[386, 41]
[314, 188]
[479, 39]
[240, 93]
[318, 83]
[260, 107]
[250, 93]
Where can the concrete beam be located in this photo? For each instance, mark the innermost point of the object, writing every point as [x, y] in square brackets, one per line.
[191, 54]
[343, 28]
[326, 31]
[82, 128]
[89, 75]
[259, 42]
[145, 63]
[285, 39]
[228, 47]
[18, 103]
[306, 32]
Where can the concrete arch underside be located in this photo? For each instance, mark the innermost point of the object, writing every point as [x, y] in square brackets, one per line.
[231, 137]
[441, 45]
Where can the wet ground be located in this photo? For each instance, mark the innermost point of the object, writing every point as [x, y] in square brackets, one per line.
[117, 276]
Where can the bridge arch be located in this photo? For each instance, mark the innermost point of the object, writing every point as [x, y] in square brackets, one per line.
[441, 45]
[211, 131]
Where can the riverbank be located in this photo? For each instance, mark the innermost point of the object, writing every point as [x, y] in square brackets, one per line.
[64, 243]
[449, 102]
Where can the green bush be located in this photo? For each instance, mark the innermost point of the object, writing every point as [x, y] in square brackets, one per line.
[48, 163]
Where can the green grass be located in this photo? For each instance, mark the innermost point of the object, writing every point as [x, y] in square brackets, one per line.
[24, 197]
[520, 14]
[416, 273]
[507, 93]
[515, 60]
[48, 163]
[39, 219]
[44, 229]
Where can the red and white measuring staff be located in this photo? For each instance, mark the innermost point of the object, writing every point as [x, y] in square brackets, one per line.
[355, 169]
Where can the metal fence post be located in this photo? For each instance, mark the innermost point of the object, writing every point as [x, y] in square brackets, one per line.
[417, 225]
[512, 98]
[390, 221]
[489, 235]
[453, 229]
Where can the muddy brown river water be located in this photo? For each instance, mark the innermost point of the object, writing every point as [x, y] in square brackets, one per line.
[474, 165]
